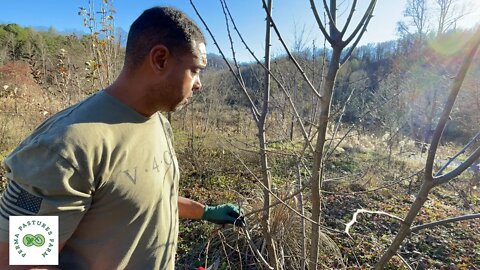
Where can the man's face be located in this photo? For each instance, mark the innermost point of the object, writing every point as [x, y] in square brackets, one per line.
[184, 77]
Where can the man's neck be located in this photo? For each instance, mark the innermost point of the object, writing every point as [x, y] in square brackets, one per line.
[129, 90]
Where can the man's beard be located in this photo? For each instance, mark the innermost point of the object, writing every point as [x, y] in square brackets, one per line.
[181, 105]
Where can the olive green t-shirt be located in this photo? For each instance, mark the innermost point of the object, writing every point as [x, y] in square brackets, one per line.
[110, 175]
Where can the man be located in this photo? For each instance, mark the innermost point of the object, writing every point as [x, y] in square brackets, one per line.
[106, 166]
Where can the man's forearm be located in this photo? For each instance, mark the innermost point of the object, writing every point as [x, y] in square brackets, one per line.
[190, 209]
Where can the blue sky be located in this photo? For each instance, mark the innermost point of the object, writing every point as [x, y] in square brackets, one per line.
[290, 15]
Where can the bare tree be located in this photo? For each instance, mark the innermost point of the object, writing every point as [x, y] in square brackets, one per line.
[449, 12]
[416, 12]
[262, 142]
[260, 117]
[336, 37]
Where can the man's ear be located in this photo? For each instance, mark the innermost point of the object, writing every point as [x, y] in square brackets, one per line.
[158, 57]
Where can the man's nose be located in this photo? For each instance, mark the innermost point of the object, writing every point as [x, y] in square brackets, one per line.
[197, 85]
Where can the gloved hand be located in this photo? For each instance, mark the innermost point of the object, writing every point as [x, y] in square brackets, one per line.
[224, 214]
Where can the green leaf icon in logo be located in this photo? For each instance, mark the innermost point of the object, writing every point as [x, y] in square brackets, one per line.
[33, 240]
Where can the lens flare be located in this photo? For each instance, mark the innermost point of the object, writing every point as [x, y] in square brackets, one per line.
[449, 44]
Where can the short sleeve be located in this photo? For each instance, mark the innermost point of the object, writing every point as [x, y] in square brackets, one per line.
[44, 183]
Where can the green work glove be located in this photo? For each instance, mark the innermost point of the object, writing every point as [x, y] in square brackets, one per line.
[224, 214]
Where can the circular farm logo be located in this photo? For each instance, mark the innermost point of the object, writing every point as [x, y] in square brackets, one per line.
[34, 240]
[30, 236]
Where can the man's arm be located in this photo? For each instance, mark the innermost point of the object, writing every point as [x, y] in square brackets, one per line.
[220, 214]
[4, 258]
[190, 209]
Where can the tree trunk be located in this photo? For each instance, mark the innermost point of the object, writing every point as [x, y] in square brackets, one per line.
[272, 255]
[325, 104]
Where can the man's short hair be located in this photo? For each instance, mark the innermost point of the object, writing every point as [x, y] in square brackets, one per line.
[160, 25]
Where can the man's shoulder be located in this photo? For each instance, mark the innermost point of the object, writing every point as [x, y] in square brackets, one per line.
[70, 125]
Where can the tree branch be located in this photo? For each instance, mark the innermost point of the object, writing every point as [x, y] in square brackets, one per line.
[457, 83]
[428, 182]
[444, 221]
[222, 2]
[362, 24]
[331, 15]
[255, 249]
[337, 126]
[320, 24]
[405, 262]
[450, 160]
[438, 180]
[399, 181]
[349, 19]
[354, 45]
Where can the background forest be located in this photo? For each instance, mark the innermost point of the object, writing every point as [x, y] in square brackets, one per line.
[387, 101]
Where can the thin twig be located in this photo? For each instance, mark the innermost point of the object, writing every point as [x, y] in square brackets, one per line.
[357, 40]
[255, 112]
[404, 261]
[337, 126]
[255, 249]
[289, 53]
[319, 23]
[223, 242]
[223, 3]
[438, 180]
[375, 189]
[462, 151]
[362, 25]
[272, 193]
[350, 16]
